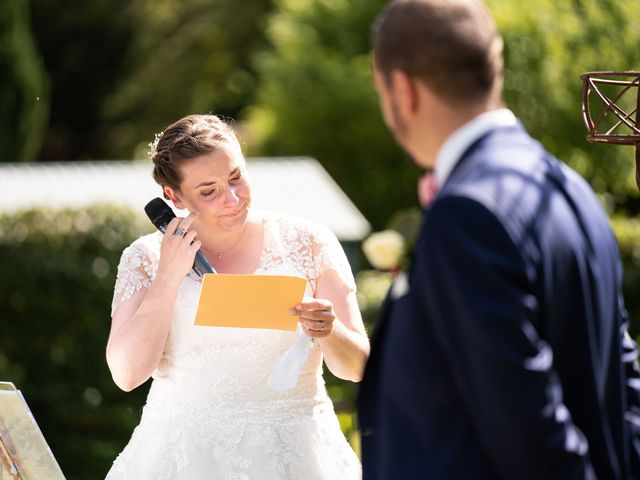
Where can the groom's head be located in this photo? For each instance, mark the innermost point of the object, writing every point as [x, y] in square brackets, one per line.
[445, 51]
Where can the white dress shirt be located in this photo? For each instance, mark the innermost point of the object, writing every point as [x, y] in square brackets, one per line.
[460, 140]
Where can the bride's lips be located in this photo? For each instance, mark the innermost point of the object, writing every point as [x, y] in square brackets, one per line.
[235, 213]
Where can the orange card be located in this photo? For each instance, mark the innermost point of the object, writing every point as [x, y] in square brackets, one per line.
[249, 301]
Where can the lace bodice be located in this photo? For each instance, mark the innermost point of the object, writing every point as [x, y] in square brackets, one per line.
[309, 248]
[211, 383]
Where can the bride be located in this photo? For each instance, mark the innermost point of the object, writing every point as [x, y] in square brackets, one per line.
[210, 412]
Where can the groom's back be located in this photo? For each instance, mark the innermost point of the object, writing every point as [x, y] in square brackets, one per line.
[560, 239]
[568, 247]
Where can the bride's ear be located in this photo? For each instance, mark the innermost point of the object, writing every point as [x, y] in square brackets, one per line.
[174, 196]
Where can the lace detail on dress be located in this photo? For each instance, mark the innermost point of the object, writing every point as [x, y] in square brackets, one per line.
[301, 442]
[313, 249]
[210, 413]
[329, 255]
[137, 268]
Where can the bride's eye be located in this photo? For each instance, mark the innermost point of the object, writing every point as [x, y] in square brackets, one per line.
[209, 192]
[237, 178]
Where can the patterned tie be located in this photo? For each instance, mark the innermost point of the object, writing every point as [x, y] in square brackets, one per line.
[427, 189]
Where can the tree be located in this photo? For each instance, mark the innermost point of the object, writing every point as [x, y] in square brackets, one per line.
[82, 47]
[122, 70]
[315, 95]
[548, 45]
[23, 85]
[186, 57]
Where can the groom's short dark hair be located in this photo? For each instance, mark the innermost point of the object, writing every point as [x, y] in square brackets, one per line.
[452, 46]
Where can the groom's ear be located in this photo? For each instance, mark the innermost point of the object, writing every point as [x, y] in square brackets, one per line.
[405, 91]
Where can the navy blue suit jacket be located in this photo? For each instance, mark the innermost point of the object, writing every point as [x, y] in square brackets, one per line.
[504, 354]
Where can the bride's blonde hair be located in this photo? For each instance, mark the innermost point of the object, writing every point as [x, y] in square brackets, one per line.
[189, 137]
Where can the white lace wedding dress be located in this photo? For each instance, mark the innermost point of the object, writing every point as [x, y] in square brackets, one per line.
[210, 413]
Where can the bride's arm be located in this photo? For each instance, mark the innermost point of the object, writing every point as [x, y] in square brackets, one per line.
[333, 316]
[140, 325]
[346, 345]
[139, 331]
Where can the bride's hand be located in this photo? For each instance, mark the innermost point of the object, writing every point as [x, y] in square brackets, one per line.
[316, 316]
[178, 249]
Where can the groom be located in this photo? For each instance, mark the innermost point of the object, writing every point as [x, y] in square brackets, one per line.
[503, 353]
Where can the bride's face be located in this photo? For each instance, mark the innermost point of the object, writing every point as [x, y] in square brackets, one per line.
[216, 187]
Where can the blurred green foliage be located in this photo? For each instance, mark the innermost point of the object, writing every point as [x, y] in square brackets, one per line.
[56, 284]
[548, 44]
[123, 70]
[120, 71]
[23, 85]
[82, 45]
[315, 95]
[185, 57]
[627, 231]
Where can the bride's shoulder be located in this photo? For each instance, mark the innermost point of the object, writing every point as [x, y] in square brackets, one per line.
[147, 245]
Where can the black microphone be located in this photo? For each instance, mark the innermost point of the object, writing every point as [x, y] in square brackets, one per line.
[160, 215]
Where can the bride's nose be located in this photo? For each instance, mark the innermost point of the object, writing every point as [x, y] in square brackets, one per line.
[231, 196]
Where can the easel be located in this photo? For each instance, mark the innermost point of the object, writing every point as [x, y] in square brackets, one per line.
[24, 453]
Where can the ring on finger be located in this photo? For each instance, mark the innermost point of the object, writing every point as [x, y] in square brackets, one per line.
[322, 324]
[180, 232]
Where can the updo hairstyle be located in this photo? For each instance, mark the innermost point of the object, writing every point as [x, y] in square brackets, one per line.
[188, 138]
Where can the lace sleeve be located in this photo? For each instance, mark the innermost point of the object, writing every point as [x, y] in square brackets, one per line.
[329, 255]
[135, 272]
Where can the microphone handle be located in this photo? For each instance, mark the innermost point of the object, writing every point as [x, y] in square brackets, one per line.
[201, 265]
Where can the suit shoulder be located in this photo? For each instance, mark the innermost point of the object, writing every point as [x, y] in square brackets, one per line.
[520, 184]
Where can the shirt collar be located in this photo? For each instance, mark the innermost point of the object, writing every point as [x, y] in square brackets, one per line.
[459, 141]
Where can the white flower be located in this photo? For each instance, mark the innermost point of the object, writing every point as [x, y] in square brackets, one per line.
[153, 146]
[384, 249]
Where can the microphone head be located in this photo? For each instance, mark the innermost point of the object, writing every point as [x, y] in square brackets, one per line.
[159, 213]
